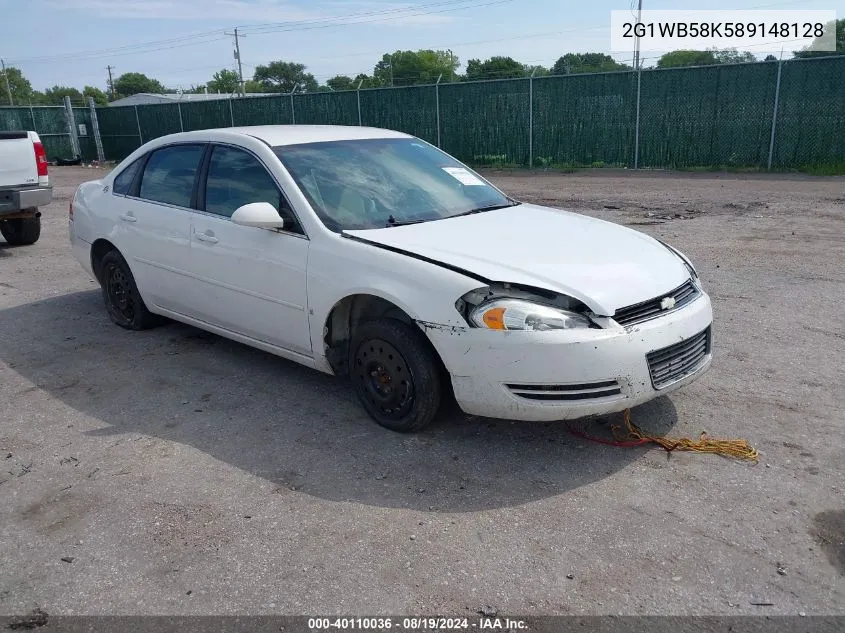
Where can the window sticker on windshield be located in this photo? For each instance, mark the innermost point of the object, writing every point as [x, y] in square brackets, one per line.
[463, 176]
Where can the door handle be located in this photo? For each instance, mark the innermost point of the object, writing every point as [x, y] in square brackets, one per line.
[128, 218]
[204, 237]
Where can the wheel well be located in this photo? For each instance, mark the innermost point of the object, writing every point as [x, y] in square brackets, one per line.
[347, 314]
[98, 250]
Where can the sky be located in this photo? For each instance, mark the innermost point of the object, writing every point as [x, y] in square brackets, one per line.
[183, 42]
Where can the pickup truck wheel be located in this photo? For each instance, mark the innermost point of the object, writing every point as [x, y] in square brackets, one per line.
[21, 231]
[123, 301]
[395, 374]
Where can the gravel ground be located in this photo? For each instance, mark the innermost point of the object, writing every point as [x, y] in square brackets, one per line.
[175, 472]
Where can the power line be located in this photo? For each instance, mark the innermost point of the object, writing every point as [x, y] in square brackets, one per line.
[218, 34]
[396, 11]
[129, 49]
[441, 6]
[379, 19]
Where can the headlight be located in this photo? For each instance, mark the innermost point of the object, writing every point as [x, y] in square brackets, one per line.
[515, 314]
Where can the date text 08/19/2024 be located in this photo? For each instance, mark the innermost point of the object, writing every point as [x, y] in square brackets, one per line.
[416, 624]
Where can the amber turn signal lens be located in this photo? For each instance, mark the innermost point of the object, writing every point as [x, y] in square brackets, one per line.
[495, 318]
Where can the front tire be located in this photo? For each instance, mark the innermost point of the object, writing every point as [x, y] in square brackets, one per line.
[123, 301]
[395, 374]
[21, 231]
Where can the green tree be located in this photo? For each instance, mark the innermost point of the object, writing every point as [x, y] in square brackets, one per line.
[225, 81]
[250, 85]
[132, 83]
[406, 68]
[56, 95]
[280, 76]
[341, 82]
[539, 71]
[22, 92]
[368, 81]
[676, 59]
[100, 97]
[770, 58]
[495, 68]
[812, 49]
[732, 56]
[572, 63]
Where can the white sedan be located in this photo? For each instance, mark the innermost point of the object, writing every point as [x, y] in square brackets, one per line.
[371, 254]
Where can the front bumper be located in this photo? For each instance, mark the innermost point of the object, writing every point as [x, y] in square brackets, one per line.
[490, 369]
[17, 200]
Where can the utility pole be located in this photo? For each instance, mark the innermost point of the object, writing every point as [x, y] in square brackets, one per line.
[637, 40]
[111, 81]
[238, 57]
[8, 87]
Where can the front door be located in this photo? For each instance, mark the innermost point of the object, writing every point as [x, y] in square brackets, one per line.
[252, 280]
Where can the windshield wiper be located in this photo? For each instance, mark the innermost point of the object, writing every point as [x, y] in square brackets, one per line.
[391, 221]
[489, 207]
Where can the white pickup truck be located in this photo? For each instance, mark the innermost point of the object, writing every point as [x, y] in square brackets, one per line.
[24, 186]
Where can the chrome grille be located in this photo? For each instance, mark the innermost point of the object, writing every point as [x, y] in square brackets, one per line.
[583, 391]
[683, 294]
[676, 361]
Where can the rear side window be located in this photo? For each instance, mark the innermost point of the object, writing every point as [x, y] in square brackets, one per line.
[169, 174]
[123, 183]
[236, 178]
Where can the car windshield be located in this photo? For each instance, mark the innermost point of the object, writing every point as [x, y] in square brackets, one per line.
[374, 183]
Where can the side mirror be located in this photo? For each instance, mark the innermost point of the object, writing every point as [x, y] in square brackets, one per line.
[262, 215]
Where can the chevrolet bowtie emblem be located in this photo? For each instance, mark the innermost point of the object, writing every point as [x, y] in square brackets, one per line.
[667, 303]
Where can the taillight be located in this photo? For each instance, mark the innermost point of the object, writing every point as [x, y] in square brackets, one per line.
[40, 158]
[70, 206]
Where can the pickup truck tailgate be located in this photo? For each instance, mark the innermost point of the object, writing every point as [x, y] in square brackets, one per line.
[17, 160]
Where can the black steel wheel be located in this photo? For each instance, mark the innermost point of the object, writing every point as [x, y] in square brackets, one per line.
[395, 374]
[123, 301]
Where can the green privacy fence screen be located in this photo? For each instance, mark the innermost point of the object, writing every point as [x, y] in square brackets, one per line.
[767, 114]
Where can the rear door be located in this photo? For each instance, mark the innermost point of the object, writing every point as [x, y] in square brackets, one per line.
[252, 280]
[153, 222]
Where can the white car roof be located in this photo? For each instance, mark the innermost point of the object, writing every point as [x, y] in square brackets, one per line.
[275, 135]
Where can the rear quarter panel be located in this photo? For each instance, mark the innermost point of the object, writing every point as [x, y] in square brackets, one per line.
[90, 219]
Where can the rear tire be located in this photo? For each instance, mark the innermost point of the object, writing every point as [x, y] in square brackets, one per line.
[21, 231]
[395, 374]
[123, 301]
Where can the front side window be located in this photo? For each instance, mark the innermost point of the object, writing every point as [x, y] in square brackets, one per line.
[373, 183]
[169, 174]
[236, 178]
[123, 182]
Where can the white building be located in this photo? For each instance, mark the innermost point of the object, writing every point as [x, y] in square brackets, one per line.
[147, 98]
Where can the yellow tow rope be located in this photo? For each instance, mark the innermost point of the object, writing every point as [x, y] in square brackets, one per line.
[739, 449]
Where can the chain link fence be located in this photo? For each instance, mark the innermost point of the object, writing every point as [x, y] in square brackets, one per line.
[783, 115]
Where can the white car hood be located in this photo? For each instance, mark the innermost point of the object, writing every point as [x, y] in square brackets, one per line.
[602, 264]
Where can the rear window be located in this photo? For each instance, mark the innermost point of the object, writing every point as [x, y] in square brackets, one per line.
[169, 174]
[123, 182]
